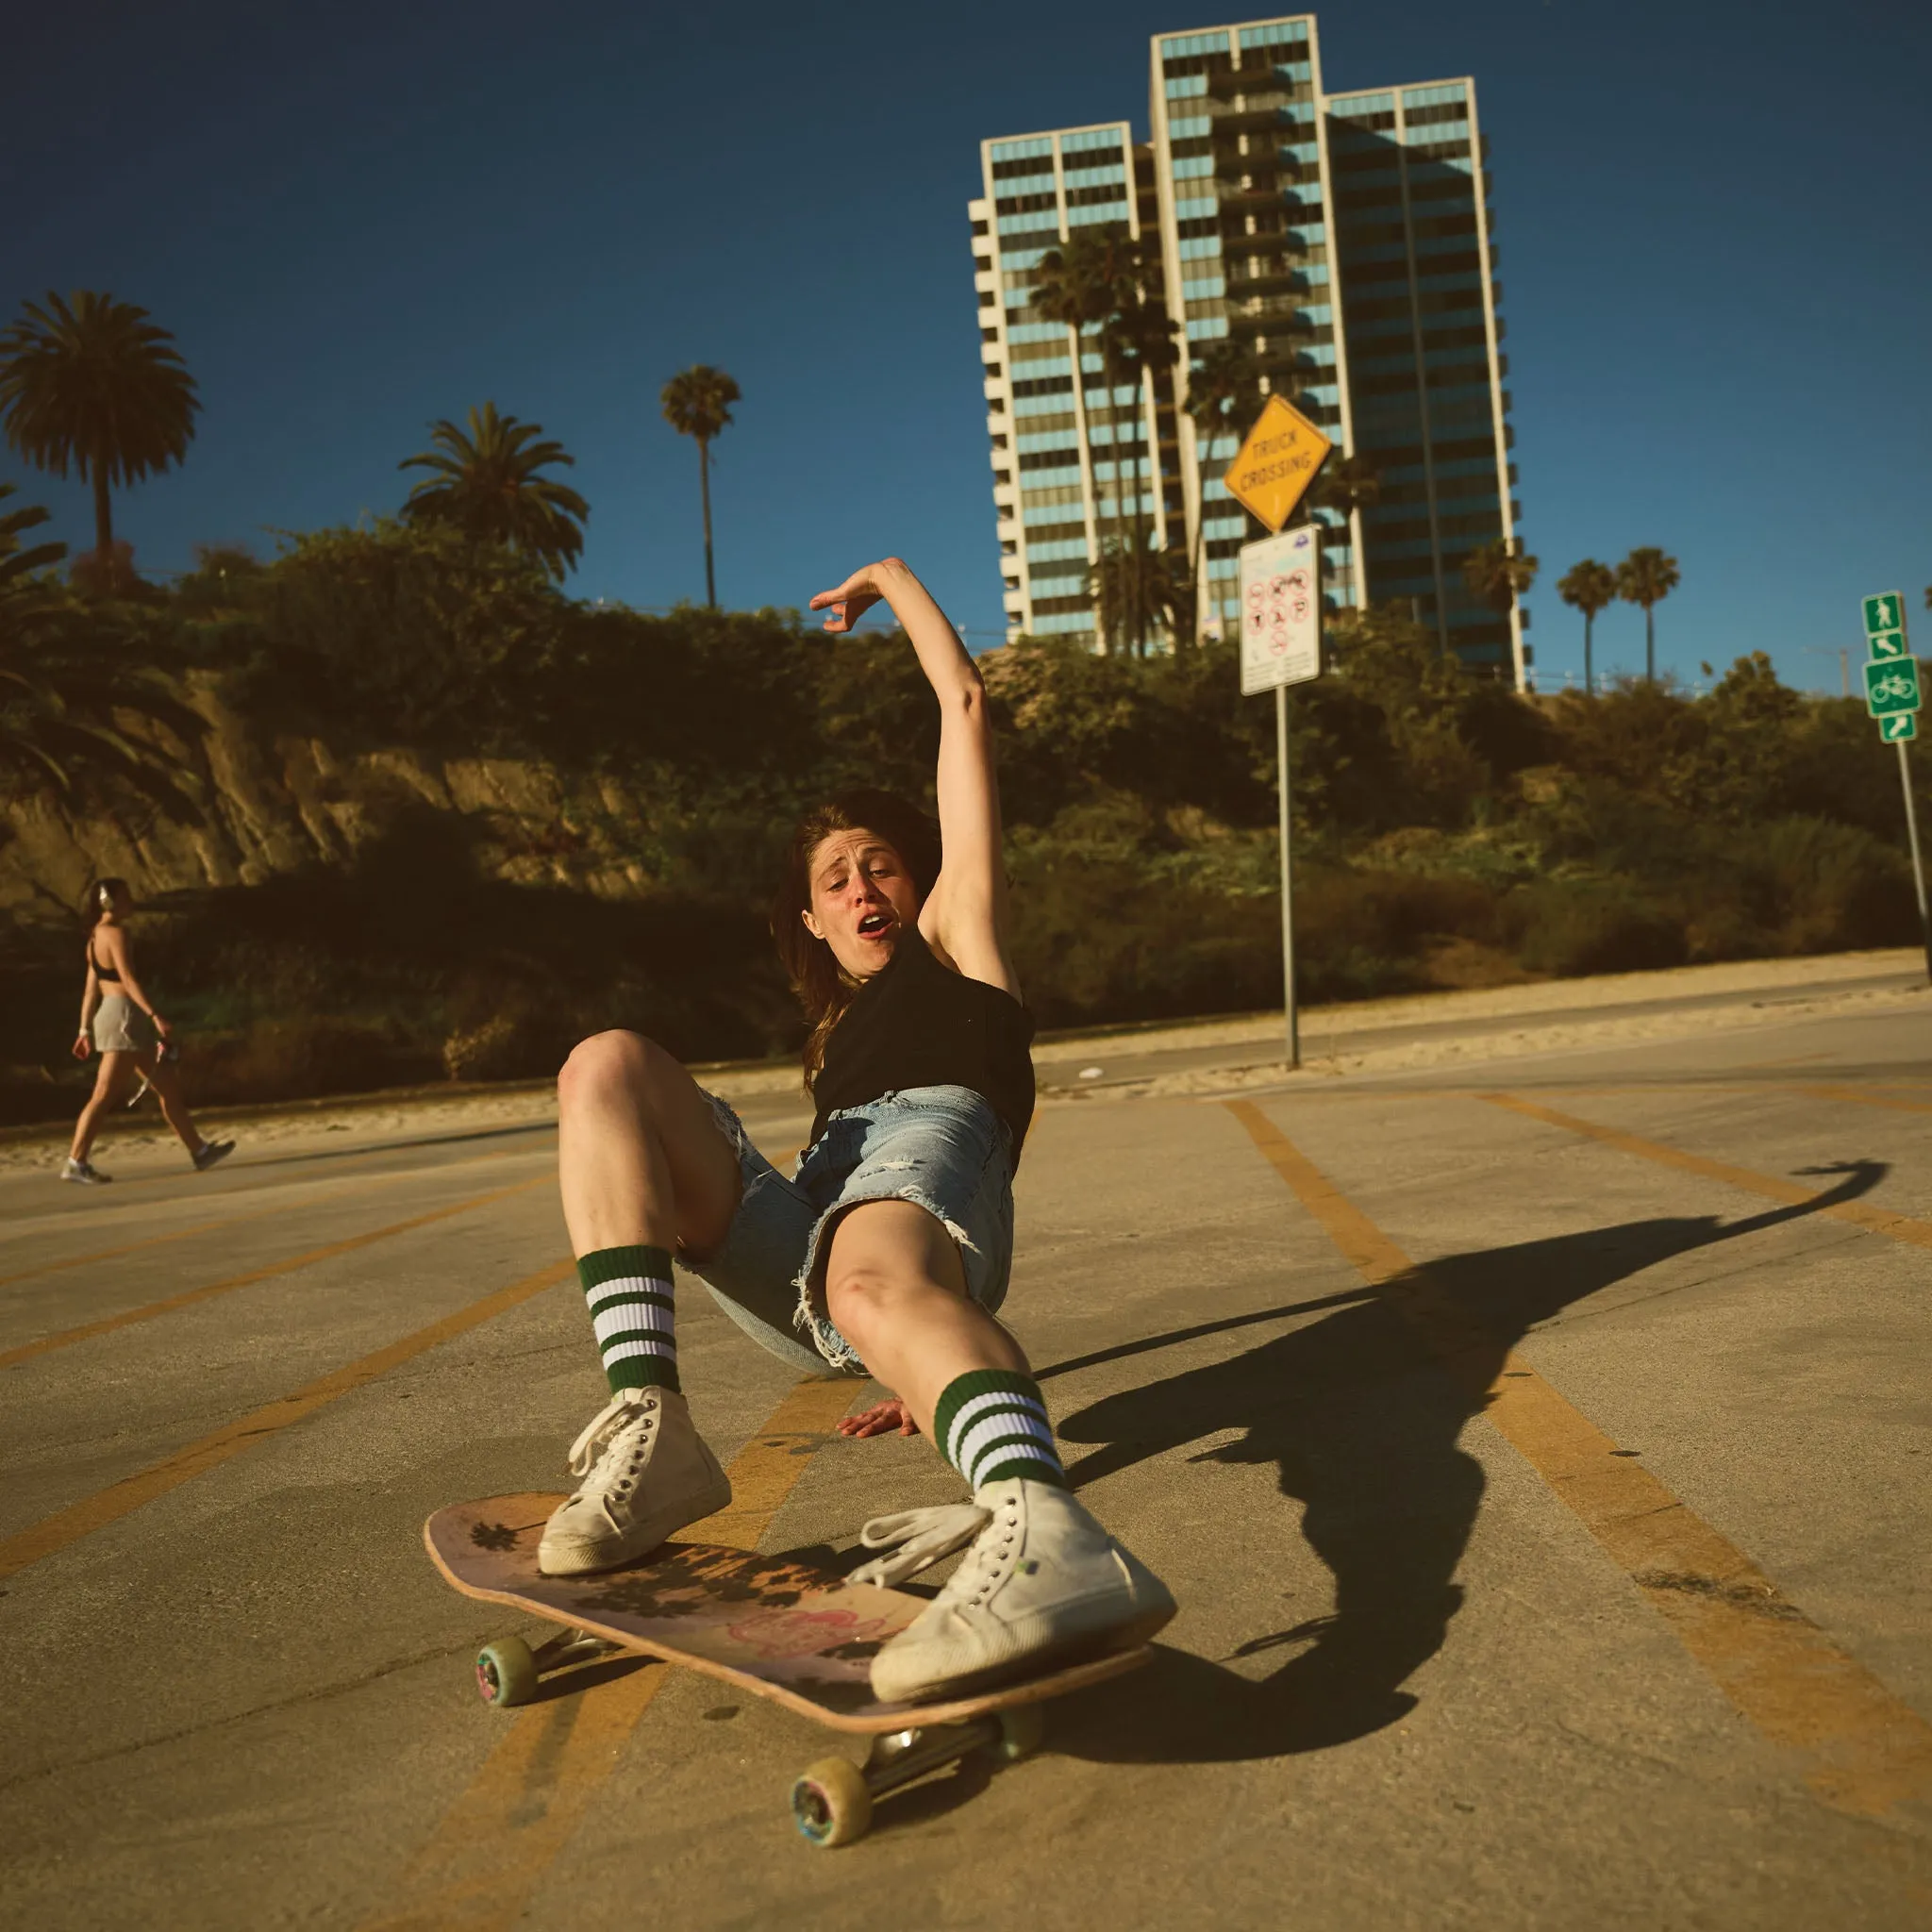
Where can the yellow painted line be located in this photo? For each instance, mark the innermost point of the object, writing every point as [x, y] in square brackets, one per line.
[120, 1499]
[495, 1843]
[1864, 1750]
[1901, 1227]
[182, 1234]
[66, 1338]
[1859, 1098]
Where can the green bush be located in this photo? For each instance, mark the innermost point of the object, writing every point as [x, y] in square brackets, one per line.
[1440, 818]
[1567, 929]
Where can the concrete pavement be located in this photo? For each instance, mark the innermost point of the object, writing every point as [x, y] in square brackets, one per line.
[1539, 1456]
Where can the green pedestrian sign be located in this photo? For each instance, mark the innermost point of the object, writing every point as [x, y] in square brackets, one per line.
[1891, 685]
[1886, 611]
[1891, 696]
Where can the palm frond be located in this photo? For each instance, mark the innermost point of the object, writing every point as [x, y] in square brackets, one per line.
[697, 401]
[90, 383]
[484, 482]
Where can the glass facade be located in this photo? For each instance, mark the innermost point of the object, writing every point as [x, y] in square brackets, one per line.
[1237, 148]
[1069, 461]
[1343, 240]
[1416, 272]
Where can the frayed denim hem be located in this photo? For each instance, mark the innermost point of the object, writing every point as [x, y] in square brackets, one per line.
[813, 1318]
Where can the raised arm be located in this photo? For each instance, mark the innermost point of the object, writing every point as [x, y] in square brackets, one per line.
[965, 918]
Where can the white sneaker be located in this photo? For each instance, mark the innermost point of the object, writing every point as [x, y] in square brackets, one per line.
[1043, 1585]
[85, 1172]
[647, 1472]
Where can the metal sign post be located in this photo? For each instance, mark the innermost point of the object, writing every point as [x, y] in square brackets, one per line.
[1892, 697]
[1281, 645]
[1281, 613]
[1905, 779]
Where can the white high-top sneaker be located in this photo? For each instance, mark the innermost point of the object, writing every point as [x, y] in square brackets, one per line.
[1043, 1585]
[647, 1472]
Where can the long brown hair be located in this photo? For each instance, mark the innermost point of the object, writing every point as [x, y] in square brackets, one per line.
[823, 990]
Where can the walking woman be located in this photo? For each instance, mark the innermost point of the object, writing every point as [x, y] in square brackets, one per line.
[117, 1020]
[887, 1251]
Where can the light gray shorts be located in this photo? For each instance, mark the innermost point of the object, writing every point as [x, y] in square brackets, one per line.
[120, 1026]
[942, 1148]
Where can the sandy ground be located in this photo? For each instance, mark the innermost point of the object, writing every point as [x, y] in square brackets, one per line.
[1489, 1022]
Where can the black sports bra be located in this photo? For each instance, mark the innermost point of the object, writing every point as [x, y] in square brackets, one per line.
[101, 972]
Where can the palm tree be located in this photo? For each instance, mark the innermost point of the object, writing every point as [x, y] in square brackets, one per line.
[91, 383]
[1085, 284]
[1225, 396]
[1348, 484]
[1499, 573]
[485, 483]
[1587, 587]
[697, 403]
[60, 707]
[18, 567]
[1143, 339]
[1647, 577]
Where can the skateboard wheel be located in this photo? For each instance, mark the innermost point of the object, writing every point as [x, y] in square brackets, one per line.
[830, 1803]
[506, 1672]
[1023, 1729]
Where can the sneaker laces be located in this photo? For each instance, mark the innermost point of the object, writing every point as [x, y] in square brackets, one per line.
[920, 1538]
[627, 1409]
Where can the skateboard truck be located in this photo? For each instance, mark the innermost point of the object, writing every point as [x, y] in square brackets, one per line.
[832, 1800]
[509, 1670]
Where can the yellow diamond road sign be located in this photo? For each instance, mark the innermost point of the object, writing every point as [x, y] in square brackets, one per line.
[1277, 463]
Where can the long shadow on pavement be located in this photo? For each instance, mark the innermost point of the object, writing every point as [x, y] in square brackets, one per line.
[1362, 1418]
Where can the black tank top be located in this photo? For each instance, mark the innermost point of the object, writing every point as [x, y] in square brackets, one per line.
[917, 1023]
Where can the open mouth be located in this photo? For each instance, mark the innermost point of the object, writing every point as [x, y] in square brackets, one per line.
[874, 924]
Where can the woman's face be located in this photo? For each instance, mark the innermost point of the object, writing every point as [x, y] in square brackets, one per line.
[862, 897]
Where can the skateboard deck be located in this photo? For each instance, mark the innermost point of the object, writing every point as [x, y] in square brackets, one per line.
[802, 1636]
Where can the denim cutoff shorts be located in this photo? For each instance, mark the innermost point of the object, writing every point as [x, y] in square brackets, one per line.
[942, 1148]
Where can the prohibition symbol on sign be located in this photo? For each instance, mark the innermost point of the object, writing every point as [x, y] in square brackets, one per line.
[1281, 609]
[1278, 610]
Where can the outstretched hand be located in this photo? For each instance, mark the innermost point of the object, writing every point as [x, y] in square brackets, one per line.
[887, 1417]
[850, 601]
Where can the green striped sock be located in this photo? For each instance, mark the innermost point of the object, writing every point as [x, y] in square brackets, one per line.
[629, 1292]
[990, 1424]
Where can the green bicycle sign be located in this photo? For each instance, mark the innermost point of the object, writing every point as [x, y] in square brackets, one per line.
[1891, 684]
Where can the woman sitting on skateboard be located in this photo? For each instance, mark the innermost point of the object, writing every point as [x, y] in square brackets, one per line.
[891, 1245]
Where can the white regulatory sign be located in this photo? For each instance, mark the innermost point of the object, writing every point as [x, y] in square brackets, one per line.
[1281, 609]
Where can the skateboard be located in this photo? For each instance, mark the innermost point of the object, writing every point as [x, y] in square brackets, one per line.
[792, 1631]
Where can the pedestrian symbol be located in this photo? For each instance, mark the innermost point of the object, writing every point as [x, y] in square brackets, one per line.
[1898, 727]
[1891, 684]
[1885, 611]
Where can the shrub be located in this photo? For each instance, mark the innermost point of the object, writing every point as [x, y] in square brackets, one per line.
[1569, 928]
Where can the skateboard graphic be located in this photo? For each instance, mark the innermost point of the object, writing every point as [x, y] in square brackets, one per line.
[800, 1635]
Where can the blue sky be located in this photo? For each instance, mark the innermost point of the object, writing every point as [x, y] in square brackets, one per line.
[1712, 218]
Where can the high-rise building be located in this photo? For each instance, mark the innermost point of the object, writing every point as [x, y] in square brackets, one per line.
[1069, 461]
[1241, 179]
[1429, 412]
[1343, 243]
